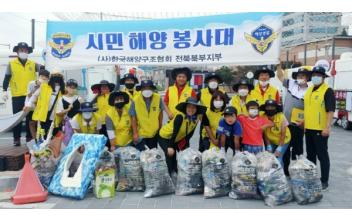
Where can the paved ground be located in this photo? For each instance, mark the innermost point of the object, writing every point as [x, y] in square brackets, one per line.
[338, 196]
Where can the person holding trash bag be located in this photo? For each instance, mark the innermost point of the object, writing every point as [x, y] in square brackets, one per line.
[210, 121]
[103, 90]
[243, 88]
[179, 92]
[118, 120]
[147, 116]
[130, 81]
[319, 107]
[175, 135]
[294, 110]
[19, 72]
[253, 127]
[46, 99]
[277, 137]
[263, 90]
[86, 121]
[212, 80]
[33, 86]
[229, 131]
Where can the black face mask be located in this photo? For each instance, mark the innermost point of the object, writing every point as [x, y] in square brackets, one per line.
[270, 112]
[129, 85]
[119, 105]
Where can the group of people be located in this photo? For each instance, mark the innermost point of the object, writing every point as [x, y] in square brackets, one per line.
[252, 120]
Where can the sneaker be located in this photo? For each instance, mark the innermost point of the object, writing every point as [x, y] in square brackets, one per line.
[17, 142]
[325, 187]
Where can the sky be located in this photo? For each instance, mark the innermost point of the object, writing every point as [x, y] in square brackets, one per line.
[16, 27]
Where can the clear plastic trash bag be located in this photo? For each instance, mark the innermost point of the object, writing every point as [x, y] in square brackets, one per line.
[44, 163]
[216, 174]
[104, 176]
[305, 181]
[129, 170]
[272, 182]
[189, 176]
[244, 176]
[156, 175]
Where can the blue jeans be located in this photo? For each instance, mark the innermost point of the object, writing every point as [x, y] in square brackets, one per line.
[254, 149]
[282, 152]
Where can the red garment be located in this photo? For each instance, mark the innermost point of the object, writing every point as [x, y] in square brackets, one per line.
[179, 90]
[252, 132]
[277, 96]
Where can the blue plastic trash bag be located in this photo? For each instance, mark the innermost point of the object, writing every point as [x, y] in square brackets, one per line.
[189, 176]
[305, 181]
[156, 175]
[129, 169]
[271, 179]
[216, 174]
[86, 147]
[244, 176]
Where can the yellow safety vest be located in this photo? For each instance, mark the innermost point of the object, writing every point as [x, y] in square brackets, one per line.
[41, 109]
[241, 107]
[90, 128]
[205, 96]
[270, 93]
[274, 133]
[214, 118]
[174, 99]
[314, 108]
[148, 122]
[122, 125]
[134, 95]
[103, 106]
[21, 76]
[167, 130]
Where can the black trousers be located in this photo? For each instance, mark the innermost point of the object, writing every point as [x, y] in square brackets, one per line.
[170, 161]
[150, 142]
[105, 133]
[204, 144]
[17, 106]
[317, 146]
[295, 148]
[46, 126]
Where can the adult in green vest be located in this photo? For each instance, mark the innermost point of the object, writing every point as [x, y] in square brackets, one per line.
[319, 108]
[20, 71]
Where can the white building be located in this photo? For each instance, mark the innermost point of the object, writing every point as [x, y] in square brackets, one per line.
[300, 27]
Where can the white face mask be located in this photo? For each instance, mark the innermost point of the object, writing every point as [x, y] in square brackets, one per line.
[317, 80]
[42, 80]
[218, 104]
[213, 85]
[263, 83]
[147, 93]
[301, 81]
[22, 56]
[87, 115]
[253, 112]
[243, 92]
[57, 88]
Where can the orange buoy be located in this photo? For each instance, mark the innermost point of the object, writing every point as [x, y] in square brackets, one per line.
[29, 189]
